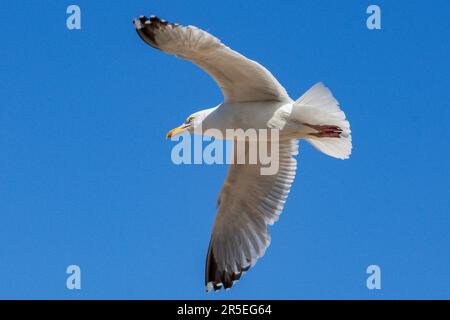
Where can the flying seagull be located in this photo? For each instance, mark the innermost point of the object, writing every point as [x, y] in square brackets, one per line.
[253, 98]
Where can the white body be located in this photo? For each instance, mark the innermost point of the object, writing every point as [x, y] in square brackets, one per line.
[252, 115]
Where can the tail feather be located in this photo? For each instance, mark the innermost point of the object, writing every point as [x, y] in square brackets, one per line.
[329, 131]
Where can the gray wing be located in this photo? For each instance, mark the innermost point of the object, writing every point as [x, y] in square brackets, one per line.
[248, 203]
[239, 78]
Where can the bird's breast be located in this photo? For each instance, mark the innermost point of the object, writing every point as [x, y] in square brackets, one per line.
[255, 115]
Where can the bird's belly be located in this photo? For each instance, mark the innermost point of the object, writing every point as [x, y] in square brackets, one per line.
[248, 116]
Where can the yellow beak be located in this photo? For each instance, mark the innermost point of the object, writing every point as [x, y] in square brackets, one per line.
[176, 131]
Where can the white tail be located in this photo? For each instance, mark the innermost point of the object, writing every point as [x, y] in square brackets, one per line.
[330, 130]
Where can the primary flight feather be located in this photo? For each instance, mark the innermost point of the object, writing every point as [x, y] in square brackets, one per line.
[253, 98]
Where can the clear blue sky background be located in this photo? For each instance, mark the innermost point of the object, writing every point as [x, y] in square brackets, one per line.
[86, 176]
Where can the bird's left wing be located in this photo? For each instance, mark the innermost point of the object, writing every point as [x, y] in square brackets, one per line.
[248, 203]
[239, 78]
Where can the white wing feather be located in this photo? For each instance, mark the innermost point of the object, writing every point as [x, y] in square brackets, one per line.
[239, 78]
[248, 203]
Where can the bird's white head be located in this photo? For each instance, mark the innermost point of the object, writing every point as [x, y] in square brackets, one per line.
[192, 122]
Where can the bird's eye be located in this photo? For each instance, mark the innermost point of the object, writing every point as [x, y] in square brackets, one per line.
[189, 120]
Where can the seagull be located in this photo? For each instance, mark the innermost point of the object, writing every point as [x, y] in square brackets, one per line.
[253, 98]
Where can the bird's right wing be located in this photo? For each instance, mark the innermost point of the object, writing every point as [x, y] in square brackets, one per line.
[248, 203]
[239, 78]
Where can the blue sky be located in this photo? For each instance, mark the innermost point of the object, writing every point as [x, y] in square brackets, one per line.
[86, 176]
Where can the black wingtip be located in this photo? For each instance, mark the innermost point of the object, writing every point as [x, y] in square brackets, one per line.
[216, 279]
[148, 27]
[145, 30]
